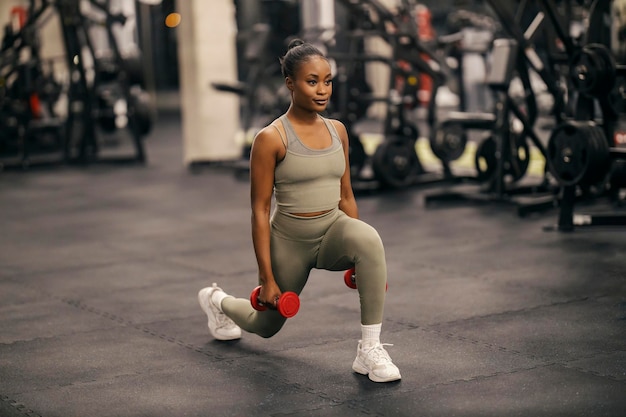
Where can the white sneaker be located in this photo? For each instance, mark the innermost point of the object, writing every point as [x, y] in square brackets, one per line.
[375, 363]
[220, 326]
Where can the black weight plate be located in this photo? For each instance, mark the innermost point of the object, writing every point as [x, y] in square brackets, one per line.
[584, 71]
[567, 152]
[598, 156]
[448, 141]
[607, 76]
[592, 70]
[514, 166]
[407, 131]
[395, 162]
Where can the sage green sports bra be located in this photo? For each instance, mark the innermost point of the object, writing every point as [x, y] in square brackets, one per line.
[308, 180]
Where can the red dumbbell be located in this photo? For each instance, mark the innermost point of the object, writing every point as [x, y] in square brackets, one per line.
[288, 304]
[349, 277]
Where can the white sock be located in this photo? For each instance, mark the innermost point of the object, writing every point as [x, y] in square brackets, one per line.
[370, 334]
[217, 297]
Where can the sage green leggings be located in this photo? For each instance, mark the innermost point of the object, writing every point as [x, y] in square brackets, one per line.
[333, 241]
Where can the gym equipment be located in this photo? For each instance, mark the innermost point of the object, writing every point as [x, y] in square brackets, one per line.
[592, 70]
[578, 153]
[28, 93]
[31, 133]
[287, 305]
[448, 137]
[448, 141]
[395, 163]
[503, 156]
[514, 166]
[584, 155]
[527, 46]
[349, 278]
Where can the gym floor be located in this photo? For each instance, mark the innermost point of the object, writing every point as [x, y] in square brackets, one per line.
[488, 314]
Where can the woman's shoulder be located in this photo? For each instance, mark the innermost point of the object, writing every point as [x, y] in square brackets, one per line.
[270, 135]
[272, 129]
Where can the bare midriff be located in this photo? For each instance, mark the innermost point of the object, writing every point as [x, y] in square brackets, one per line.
[313, 214]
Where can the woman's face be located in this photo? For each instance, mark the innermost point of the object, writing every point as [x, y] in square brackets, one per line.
[312, 85]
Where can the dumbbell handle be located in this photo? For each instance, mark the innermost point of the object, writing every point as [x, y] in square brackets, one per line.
[287, 305]
[349, 277]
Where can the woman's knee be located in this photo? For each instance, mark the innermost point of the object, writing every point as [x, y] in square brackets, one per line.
[368, 241]
[271, 327]
[267, 333]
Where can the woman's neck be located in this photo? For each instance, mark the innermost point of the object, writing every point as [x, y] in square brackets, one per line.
[302, 116]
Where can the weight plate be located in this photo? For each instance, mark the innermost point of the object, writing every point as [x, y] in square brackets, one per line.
[567, 153]
[395, 162]
[609, 74]
[599, 157]
[578, 153]
[407, 131]
[448, 141]
[592, 70]
[514, 166]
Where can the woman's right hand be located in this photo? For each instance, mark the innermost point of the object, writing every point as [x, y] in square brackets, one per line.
[269, 294]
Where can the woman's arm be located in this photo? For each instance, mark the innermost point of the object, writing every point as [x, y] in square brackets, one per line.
[347, 203]
[265, 153]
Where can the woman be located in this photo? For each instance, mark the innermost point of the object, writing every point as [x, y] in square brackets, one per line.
[302, 160]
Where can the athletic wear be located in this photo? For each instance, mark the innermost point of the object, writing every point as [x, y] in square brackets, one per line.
[375, 362]
[332, 241]
[308, 180]
[370, 334]
[220, 326]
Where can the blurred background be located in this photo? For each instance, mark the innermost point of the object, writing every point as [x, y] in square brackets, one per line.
[498, 93]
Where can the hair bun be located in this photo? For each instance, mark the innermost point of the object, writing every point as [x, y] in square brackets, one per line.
[294, 43]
